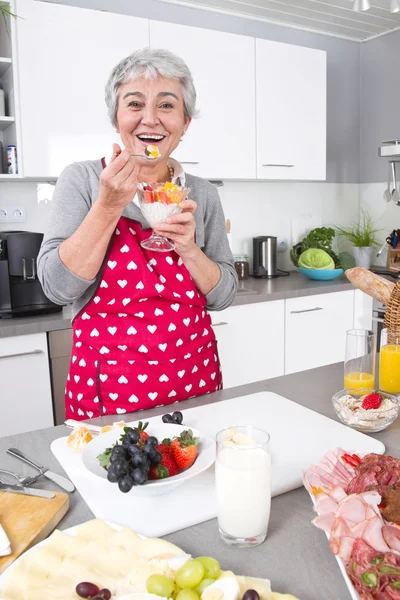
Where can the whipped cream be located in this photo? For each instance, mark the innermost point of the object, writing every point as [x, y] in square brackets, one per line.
[157, 212]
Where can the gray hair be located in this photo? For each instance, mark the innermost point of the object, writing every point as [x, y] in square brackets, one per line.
[150, 63]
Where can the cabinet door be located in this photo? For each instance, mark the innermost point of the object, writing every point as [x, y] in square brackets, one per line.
[316, 330]
[250, 342]
[25, 398]
[65, 55]
[291, 111]
[221, 142]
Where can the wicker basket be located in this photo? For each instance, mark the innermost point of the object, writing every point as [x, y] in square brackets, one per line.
[392, 316]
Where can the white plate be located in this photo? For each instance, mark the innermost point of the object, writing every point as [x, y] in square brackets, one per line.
[204, 460]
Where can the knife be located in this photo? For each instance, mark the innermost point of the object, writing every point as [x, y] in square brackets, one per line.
[61, 481]
[20, 489]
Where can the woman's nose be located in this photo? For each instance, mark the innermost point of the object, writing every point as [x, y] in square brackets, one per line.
[150, 117]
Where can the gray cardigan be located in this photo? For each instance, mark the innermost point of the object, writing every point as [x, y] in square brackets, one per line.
[76, 190]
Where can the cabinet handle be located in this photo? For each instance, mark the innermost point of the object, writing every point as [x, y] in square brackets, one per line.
[297, 312]
[276, 165]
[219, 324]
[21, 354]
[189, 162]
[377, 319]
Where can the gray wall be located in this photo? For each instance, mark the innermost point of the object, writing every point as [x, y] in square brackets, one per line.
[343, 69]
[380, 103]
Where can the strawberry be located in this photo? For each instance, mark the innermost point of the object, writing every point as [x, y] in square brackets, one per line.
[166, 468]
[184, 449]
[143, 434]
[373, 400]
[164, 447]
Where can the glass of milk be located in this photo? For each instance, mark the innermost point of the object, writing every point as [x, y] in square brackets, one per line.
[243, 485]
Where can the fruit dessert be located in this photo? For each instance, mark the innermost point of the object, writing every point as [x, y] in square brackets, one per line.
[366, 410]
[358, 504]
[100, 563]
[158, 201]
[139, 457]
[152, 151]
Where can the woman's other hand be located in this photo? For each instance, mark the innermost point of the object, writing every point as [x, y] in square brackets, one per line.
[118, 181]
[181, 229]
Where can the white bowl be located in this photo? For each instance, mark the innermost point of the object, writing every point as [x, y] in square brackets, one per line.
[204, 460]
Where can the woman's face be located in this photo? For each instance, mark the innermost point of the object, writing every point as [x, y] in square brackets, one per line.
[150, 111]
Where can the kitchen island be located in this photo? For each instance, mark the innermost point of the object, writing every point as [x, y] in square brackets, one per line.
[296, 555]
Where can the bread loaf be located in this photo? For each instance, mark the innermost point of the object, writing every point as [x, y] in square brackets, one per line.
[370, 283]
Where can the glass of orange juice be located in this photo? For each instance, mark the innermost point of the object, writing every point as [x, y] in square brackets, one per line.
[389, 362]
[359, 365]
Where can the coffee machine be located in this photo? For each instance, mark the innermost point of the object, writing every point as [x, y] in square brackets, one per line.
[264, 256]
[20, 290]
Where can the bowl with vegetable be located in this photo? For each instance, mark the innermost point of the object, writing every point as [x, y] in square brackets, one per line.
[315, 258]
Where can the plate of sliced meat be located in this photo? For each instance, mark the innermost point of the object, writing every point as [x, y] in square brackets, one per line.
[357, 500]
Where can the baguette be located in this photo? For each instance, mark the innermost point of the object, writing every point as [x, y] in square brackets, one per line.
[370, 283]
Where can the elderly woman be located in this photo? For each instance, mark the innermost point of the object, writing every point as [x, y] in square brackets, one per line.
[142, 333]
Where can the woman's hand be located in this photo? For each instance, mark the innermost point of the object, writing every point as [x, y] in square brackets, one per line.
[181, 229]
[118, 181]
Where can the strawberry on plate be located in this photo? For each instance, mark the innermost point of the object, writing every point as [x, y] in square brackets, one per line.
[143, 434]
[184, 449]
[164, 447]
[372, 401]
[166, 468]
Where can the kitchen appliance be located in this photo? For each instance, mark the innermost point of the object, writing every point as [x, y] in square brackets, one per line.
[378, 314]
[264, 256]
[20, 289]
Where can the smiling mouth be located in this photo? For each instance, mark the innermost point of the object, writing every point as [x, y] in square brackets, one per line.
[148, 138]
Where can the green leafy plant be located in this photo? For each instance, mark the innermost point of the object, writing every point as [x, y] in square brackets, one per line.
[362, 233]
[5, 12]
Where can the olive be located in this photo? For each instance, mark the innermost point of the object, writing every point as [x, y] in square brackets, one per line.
[167, 419]
[251, 595]
[177, 417]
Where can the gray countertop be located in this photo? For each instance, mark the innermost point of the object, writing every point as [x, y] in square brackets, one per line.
[296, 555]
[250, 291]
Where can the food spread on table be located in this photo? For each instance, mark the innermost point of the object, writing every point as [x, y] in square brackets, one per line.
[139, 457]
[358, 504]
[100, 563]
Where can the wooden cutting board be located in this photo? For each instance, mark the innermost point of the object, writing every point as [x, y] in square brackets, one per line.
[28, 520]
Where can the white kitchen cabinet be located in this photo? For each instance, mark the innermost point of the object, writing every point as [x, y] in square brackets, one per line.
[315, 330]
[250, 342]
[362, 310]
[65, 55]
[25, 397]
[291, 111]
[221, 142]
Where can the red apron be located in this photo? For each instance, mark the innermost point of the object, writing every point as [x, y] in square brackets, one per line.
[145, 337]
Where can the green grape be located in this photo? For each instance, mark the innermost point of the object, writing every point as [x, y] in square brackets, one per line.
[211, 566]
[160, 585]
[187, 594]
[204, 583]
[190, 574]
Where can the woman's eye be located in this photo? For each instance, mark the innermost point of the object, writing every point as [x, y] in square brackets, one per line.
[134, 104]
[166, 105]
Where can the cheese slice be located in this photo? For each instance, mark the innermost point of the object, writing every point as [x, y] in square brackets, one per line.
[5, 546]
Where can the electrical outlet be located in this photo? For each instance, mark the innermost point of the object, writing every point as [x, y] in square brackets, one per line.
[12, 214]
[281, 245]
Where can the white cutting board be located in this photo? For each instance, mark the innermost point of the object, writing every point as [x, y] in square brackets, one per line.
[299, 437]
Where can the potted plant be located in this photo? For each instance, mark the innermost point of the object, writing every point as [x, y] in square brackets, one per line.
[363, 237]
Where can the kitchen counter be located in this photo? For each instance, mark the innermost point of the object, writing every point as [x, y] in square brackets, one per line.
[250, 291]
[296, 555]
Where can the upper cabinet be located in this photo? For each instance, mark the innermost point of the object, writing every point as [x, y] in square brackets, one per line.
[221, 142]
[65, 55]
[291, 111]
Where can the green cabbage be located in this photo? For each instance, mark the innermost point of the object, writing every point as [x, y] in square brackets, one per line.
[314, 258]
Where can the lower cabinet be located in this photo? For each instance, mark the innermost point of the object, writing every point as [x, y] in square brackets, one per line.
[25, 391]
[315, 330]
[250, 341]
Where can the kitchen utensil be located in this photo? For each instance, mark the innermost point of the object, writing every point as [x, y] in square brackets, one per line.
[395, 192]
[22, 480]
[299, 437]
[28, 520]
[61, 481]
[204, 460]
[142, 156]
[387, 194]
[381, 249]
[71, 423]
[20, 489]
[264, 256]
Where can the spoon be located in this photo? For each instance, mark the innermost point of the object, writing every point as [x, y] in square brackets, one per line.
[395, 192]
[387, 195]
[25, 481]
